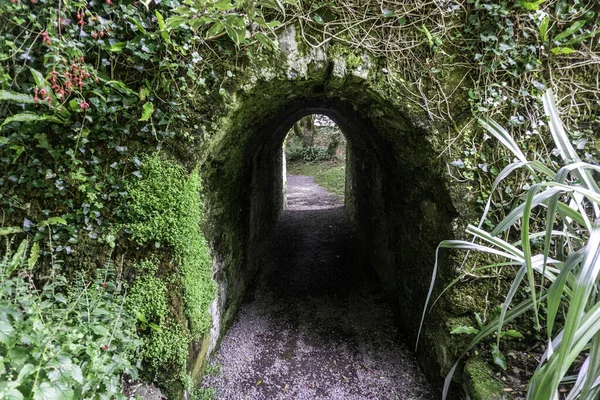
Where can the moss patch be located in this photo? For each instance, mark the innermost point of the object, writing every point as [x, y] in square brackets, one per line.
[481, 382]
[165, 212]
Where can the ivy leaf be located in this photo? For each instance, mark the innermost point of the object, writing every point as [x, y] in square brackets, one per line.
[7, 95]
[147, 111]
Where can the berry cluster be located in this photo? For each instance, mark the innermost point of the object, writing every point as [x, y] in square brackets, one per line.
[74, 78]
[42, 95]
[46, 38]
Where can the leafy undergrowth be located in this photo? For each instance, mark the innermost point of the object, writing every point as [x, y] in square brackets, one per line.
[329, 174]
[62, 340]
[555, 256]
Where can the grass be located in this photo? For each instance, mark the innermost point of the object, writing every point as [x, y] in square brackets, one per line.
[329, 174]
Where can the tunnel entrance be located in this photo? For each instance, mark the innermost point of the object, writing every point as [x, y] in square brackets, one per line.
[395, 196]
[314, 325]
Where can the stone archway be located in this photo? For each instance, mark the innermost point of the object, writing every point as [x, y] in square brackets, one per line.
[396, 194]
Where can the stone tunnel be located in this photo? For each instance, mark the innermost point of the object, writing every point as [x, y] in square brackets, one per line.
[397, 197]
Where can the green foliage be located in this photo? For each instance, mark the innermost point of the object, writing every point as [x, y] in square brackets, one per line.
[308, 154]
[165, 209]
[203, 394]
[86, 86]
[167, 347]
[147, 298]
[230, 18]
[331, 176]
[563, 254]
[62, 341]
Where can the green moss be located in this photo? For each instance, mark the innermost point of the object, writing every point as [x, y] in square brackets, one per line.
[353, 60]
[166, 353]
[203, 394]
[148, 296]
[165, 211]
[481, 382]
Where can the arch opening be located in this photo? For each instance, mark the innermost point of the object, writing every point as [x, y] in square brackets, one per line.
[316, 147]
[395, 196]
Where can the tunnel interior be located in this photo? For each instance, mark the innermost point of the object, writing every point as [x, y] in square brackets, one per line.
[395, 197]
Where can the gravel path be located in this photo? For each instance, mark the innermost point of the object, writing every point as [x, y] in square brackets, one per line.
[314, 327]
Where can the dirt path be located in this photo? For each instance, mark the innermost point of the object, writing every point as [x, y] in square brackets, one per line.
[314, 327]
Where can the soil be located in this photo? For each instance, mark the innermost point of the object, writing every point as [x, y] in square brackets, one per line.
[316, 325]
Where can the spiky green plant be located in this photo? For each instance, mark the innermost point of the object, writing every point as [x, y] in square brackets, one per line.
[563, 272]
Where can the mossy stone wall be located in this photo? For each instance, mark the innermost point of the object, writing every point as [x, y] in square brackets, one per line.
[398, 196]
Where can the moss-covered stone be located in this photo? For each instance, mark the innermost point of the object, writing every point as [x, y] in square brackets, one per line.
[481, 381]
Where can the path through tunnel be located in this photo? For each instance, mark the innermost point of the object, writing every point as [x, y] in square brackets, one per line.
[396, 204]
[315, 326]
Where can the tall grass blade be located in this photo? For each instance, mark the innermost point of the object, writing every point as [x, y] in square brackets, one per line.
[582, 289]
[567, 151]
[503, 136]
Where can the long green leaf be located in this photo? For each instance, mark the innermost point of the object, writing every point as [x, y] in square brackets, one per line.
[517, 213]
[7, 95]
[503, 136]
[561, 139]
[581, 292]
[526, 246]
[30, 117]
[569, 31]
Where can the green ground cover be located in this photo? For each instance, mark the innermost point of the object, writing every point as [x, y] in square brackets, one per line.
[329, 174]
